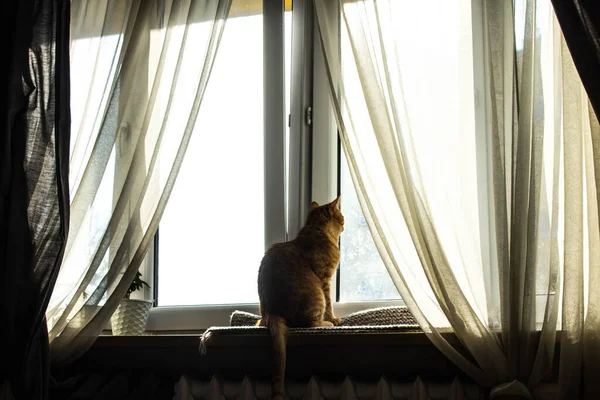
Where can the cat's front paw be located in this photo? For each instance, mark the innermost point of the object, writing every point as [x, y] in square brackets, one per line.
[335, 320]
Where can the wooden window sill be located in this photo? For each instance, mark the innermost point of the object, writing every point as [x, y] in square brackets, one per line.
[403, 355]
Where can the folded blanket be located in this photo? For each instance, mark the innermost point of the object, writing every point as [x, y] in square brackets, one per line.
[382, 320]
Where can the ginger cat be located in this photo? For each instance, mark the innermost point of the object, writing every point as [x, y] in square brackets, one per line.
[294, 282]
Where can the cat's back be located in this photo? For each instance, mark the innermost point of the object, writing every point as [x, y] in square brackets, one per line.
[282, 258]
[285, 272]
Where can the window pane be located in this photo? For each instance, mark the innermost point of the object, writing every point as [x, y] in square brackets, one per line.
[363, 275]
[213, 227]
[433, 84]
[212, 233]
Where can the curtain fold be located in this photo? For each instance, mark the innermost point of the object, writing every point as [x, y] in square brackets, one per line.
[140, 69]
[34, 186]
[472, 153]
[580, 24]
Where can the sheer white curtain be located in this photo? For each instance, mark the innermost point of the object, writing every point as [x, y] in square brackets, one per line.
[469, 141]
[139, 70]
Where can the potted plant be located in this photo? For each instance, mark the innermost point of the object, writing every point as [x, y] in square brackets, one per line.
[131, 315]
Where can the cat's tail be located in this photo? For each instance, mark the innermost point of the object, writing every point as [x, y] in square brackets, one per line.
[279, 329]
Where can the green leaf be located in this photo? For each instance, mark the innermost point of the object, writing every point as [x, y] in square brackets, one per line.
[136, 284]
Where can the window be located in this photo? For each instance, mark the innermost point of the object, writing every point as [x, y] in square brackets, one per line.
[215, 229]
[363, 275]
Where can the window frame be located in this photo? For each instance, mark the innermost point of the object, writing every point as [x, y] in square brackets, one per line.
[278, 209]
[313, 160]
[326, 162]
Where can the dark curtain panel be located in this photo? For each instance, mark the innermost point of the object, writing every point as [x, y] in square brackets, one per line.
[580, 24]
[34, 198]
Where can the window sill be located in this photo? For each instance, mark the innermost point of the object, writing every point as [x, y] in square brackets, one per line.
[404, 355]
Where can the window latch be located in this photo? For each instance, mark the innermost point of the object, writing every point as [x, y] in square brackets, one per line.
[308, 116]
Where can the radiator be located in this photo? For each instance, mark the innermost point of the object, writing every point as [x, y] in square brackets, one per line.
[219, 388]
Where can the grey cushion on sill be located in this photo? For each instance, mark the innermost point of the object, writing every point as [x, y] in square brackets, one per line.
[384, 316]
[377, 320]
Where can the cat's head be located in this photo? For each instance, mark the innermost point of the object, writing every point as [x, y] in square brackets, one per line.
[328, 215]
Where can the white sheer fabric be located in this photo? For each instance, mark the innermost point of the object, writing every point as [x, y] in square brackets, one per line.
[139, 71]
[469, 140]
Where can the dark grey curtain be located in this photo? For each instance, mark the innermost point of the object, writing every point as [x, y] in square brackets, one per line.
[34, 198]
[580, 23]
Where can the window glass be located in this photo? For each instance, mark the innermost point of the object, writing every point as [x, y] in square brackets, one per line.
[211, 237]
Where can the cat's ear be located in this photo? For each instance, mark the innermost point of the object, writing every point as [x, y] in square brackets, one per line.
[336, 202]
[314, 205]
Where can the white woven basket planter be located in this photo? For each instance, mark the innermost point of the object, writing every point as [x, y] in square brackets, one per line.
[130, 317]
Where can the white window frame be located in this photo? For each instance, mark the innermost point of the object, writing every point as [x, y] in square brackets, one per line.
[313, 159]
[326, 164]
[311, 117]
[200, 317]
